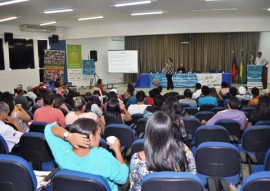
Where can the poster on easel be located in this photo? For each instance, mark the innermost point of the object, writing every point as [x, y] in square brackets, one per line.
[88, 70]
[53, 65]
[74, 64]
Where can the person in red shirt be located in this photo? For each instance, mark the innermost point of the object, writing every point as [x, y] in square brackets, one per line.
[48, 113]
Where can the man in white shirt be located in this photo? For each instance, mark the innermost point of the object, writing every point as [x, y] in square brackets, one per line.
[10, 135]
[140, 106]
[260, 60]
[197, 91]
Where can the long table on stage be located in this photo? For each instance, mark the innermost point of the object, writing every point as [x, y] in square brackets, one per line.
[186, 80]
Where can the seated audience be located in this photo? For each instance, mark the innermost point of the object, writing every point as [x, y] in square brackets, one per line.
[16, 111]
[51, 86]
[262, 113]
[224, 88]
[188, 100]
[206, 98]
[30, 93]
[197, 91]
[152, 93]
[22, 99]
[161, 152]
[243, 94]
[158, 102]
[10, 135]
[79, 105]
[140, 106]
[47, 113]
[129, 96]
[232, 93]
[96, 98]
[59, 102]
[91, 106]
[116, 113]
[213, 93]
[62, 90]
[231, 113]
[81, 151]
[255, 97]
[172, 107]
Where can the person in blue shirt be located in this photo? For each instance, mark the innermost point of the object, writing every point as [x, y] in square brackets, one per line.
[206, 98]
[79, 150]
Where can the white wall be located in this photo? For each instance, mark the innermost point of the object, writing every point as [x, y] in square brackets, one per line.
[101, 45]
[187, 25]
[9, 79]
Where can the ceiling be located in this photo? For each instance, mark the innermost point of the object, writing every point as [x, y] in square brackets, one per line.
[31, 12]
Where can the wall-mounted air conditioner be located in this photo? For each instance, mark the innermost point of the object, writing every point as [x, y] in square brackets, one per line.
[37, 28]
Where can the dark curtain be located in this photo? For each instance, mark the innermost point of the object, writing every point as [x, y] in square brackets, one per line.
[205, 51]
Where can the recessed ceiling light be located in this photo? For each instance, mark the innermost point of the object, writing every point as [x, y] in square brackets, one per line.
[90, 18]
[11, 2]
[147, 13]
[58, 11]
[8, 19]
[205, 10]
[132, 3]
[268, 9]
[48, 23]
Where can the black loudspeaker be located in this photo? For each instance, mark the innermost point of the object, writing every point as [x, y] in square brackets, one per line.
[8, 37]
[55, 38]
[93, 55]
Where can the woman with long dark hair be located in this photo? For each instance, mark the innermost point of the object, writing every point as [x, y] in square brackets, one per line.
[116, 113]
[161, 151]
[262, 113]
[172, 107]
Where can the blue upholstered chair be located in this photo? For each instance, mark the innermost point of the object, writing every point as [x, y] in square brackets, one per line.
[3, 146]
[68, 180]
[172, 181]
[35, 149]
[218, 159]
[259, 181]
[137, 146]
[37, 127]
[16, 174]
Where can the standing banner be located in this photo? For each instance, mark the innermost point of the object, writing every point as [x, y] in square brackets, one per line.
[88, 71]
[74, 64]
[254, 76]
[53, 65]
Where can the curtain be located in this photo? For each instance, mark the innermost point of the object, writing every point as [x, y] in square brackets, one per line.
[205, 51]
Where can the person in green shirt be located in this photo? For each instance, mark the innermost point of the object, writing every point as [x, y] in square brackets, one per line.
[79, 150]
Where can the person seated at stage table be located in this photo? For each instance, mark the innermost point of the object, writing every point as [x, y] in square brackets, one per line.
[206, 98]
[231, 113]
[188, 100]
[224, 88]
[181, 69]
[197, 91]
[140, 106]
[262, 113]
[116, 113]
[255, 97]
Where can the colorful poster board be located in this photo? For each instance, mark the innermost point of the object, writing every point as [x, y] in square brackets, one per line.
[186, 80]
[254, 76]
[53, 65]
